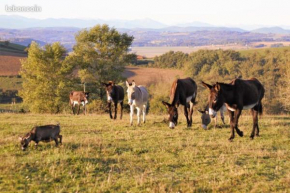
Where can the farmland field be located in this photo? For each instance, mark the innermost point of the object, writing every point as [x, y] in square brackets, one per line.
[102, 155]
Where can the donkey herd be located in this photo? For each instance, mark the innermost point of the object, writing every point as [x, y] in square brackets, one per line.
[234, 97]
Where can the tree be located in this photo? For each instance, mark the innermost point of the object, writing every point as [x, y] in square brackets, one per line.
[47, 78]
[102, 54]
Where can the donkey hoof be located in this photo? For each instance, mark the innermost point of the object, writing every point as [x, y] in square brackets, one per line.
[240, 133]
[252, 137]
[231, 139]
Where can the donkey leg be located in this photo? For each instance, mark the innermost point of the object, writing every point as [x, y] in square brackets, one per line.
[72, 108]
[116, 109]
[144, 113]
[79, 107]
[110, 110]
[215, 121]
[131, 114]
[138, 115]
[121, 104]
[190, 112]
[255, 122]
[231, 114]
[186, 115]
[222, 116]
[236, 120]
[56, 141]
[60, 139]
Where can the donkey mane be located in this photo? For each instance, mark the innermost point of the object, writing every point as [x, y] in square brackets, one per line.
[225, 85]
[173, 92]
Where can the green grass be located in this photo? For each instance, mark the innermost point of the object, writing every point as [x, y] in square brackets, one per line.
[102, 155]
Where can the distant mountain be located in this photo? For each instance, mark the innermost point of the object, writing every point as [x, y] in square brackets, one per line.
[195, 24]
[26, 41]
[194, 29]
[272, 30]
[18, 22]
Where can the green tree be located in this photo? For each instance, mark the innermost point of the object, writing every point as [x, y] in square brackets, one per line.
[46, 78]
[101, 53]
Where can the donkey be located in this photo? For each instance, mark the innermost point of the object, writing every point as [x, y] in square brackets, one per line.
[183, 91]
[78, 98]
[115, 94]
[137, 97]
[44, 133]
[205, 118]
[237, 95]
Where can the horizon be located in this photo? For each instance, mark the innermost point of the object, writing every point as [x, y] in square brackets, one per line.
[222, 13]
[185, 24]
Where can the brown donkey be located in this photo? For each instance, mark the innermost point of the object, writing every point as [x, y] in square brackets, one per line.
[183, 91]
[115, 94]
[237, 96]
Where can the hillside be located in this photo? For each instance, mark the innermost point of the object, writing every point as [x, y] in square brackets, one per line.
[272, 30]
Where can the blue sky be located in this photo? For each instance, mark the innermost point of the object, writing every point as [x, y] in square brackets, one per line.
[216, 12]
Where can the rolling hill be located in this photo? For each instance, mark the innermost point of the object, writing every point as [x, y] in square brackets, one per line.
[272, 30]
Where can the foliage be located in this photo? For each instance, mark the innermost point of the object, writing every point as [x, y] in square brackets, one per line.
[170, 59]
[103, 155]
[47, 78]
[101, 53]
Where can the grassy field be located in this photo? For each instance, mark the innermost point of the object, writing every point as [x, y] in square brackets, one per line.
[102, 155]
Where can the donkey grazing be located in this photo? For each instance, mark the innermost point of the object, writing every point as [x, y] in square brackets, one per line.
[115, 94]
[137, 97]
[44, 133]
[183, 91]
[237, 95]
[205, 118]
[78, 98]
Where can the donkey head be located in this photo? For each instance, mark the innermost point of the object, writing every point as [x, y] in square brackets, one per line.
[24, 141]
[205, 118]
[172, 114]
[109, 90]
[131, 91]
[215, 99]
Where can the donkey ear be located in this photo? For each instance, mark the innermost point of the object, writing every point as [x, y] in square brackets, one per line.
[133, 83]
[206, 112]
[20, 138]
[206, 85]
[127, 83]
[217, 87]
[166, 104]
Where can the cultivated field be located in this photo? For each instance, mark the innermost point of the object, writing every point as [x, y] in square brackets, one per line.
[102, 155]
[148, 76]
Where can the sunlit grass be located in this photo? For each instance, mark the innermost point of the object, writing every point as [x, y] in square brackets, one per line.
[103, 155]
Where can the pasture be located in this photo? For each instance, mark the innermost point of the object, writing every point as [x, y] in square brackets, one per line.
[103, 155]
